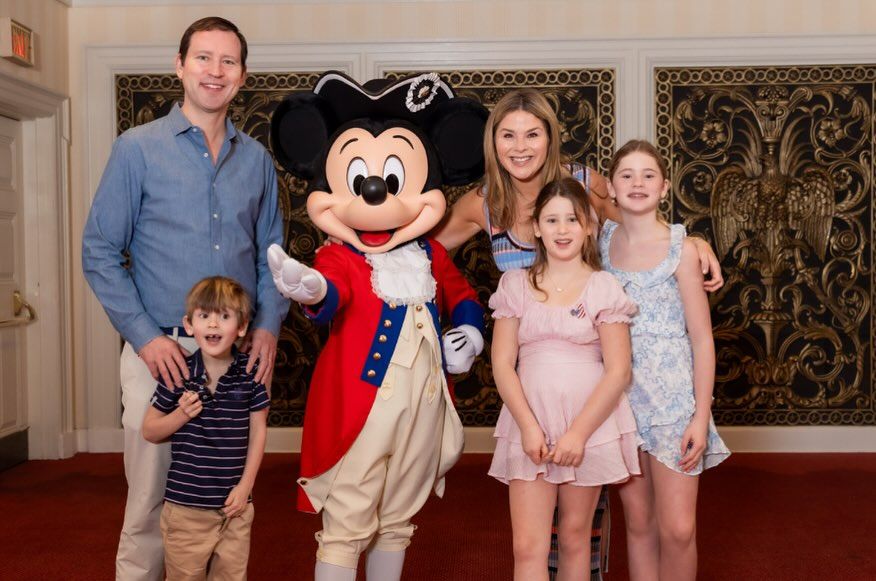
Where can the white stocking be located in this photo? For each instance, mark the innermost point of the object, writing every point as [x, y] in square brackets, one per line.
[384, 565]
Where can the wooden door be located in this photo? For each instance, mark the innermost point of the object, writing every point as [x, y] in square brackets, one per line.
[13, 314]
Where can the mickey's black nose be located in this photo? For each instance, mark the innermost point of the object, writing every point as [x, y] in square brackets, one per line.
[374, 190]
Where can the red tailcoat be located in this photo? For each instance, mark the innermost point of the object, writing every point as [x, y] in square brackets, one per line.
[347, 376]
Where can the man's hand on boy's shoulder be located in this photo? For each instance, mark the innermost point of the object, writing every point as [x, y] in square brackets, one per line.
[166, 360]
[261, 345]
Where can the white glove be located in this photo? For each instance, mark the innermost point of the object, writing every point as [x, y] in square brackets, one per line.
[294, 280]
[461, 345]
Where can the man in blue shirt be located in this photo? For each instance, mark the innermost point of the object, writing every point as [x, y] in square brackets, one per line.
[184, 197]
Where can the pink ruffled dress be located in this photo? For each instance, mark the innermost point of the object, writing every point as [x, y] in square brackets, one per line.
[559, 363]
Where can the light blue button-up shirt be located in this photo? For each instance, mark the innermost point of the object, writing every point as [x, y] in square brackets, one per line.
[181, 218]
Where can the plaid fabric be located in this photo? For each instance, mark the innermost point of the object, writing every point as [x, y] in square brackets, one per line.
[598, 540]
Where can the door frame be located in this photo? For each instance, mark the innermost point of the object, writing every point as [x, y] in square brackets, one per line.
[45, 138]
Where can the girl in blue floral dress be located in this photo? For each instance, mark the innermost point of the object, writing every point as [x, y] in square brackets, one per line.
[673, 367]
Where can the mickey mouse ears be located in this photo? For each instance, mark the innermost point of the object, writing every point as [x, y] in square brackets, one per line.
[303, 125]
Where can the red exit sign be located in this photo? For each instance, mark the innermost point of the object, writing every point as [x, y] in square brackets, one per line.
[16, 42]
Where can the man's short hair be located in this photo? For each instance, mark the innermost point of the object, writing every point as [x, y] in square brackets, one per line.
[211, 23]
[215, 294]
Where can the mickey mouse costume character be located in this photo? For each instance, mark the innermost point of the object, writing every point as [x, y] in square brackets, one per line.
[380, 430]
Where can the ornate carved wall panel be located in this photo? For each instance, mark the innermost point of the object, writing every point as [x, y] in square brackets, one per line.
[584, 100]
[774, 166]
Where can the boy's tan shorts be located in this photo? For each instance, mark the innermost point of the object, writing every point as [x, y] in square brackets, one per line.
[201, 543]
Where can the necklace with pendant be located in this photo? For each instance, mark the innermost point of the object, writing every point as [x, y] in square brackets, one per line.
[559, 289]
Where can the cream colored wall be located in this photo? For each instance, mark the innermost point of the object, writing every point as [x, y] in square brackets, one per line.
[500, 19]
[333, 21]
[48, 20]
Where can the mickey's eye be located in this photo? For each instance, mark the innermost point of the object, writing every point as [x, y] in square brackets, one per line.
[393, 174]
[357, 171]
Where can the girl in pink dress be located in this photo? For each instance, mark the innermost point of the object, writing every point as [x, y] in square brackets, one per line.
[561, 360]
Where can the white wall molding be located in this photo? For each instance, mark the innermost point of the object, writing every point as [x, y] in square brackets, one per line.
[780, 439]
[748, 52]
[22, 99]
[443, 56]
[633, 59]
[151, 3]
[797, 439]
[100, 440]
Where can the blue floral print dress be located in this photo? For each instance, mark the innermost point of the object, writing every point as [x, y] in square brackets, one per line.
[662, 391]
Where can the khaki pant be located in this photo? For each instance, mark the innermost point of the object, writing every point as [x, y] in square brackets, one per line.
[203, 543]
[140, 555]
[411, 437]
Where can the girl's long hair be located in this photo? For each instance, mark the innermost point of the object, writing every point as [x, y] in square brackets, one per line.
[572, 190]
[501, 197]
[637, 146]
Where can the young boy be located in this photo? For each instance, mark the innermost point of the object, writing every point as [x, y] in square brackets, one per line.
[217, 426]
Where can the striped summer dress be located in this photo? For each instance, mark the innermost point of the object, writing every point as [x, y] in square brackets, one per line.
[510, 253]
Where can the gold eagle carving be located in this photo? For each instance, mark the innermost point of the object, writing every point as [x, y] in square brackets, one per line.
[768, 204]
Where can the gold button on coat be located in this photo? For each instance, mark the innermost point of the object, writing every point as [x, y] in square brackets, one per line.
[376, 356]
[387, 323]
[371, 373]
[382, 338]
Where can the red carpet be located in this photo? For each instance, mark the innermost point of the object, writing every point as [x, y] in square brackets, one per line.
[774, 517]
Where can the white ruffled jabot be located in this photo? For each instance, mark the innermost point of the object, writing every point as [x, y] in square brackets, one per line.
[402, 275]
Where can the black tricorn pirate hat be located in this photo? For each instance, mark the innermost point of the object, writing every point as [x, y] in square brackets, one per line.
[304, 124]
[411, 98]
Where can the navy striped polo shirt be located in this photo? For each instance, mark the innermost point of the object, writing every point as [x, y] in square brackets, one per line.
[208, 453]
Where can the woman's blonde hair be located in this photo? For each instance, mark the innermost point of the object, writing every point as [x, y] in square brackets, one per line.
[572, 190]
[501, 197]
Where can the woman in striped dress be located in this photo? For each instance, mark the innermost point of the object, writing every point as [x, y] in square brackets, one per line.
[522, 153]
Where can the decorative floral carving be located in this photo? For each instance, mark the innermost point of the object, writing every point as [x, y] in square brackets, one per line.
[830, 131]
[713, 133]
[786, 199]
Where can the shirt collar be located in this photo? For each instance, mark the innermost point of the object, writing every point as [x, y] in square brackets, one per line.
[179, 123]
[198, 371]
[240, 358]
